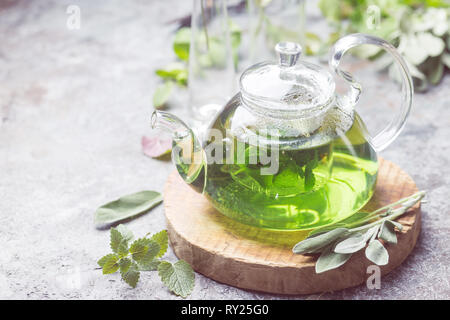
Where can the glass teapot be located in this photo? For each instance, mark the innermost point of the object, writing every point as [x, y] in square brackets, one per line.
[287, 152]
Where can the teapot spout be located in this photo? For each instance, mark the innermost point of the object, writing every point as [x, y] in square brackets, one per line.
[187, 153]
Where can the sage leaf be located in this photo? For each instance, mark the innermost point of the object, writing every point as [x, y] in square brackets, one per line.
[377, 253]
[162, 94]
[397, 224]
[436, 73]
[432, 44]
[311, 245]
[131, 276]
[387, 232]
[414, 52]
[178, 277]
[446, 59]
[329, 260]
[318, 231]
[127, 207]
[351, 244]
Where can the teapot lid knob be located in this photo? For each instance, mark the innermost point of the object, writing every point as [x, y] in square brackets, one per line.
[288, 52]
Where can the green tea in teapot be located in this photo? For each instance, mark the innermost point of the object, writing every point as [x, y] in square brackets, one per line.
[312, 186]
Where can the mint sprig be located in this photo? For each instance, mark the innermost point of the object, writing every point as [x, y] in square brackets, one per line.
[131, 257]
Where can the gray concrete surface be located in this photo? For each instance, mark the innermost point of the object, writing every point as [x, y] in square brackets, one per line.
[74, 105]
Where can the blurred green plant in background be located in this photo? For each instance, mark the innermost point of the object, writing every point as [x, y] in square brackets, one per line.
[420, 29]
[177, 72]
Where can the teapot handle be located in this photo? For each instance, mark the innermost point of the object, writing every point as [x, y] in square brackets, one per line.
[392, 130]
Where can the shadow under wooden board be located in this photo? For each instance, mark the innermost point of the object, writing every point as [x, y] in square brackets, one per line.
[257, 259]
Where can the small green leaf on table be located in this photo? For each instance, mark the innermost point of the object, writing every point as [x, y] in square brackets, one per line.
[110, 264]
[147, 262]
[138, 249]
[178, 277]
[106, 258]
[131, 276]
[162, 239]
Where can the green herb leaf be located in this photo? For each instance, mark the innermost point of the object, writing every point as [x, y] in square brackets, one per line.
[178, 277]
[151, 266]
[433, 45]
[435, 75]
[110, 265]
[387, 232]
[131, 276]
[344, 240]
[446, 59]
[124, 265]
[174, 71]
[122, 249]
[377, 253]
[162, 239]
[148, 261]
[115, 239]
[127, 207]
[329, 260]
[311, 245]
[313, 43]
[125, 232]
[104, 259]
[397, 224]
[352, 244]
[162, 94]
[321, 230]
[181, 43]
[138, 249]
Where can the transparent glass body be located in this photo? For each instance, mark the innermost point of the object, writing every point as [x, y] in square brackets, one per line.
[314, 184]
[210, 59]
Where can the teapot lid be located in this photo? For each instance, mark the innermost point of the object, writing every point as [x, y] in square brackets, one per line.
[289, 87]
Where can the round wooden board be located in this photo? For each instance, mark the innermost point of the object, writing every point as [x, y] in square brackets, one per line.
[257, 259]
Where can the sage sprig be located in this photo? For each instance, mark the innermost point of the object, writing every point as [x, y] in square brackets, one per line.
[338, 242]
[131, 257]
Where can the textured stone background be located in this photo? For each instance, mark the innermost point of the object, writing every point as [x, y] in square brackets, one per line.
[73, 107]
